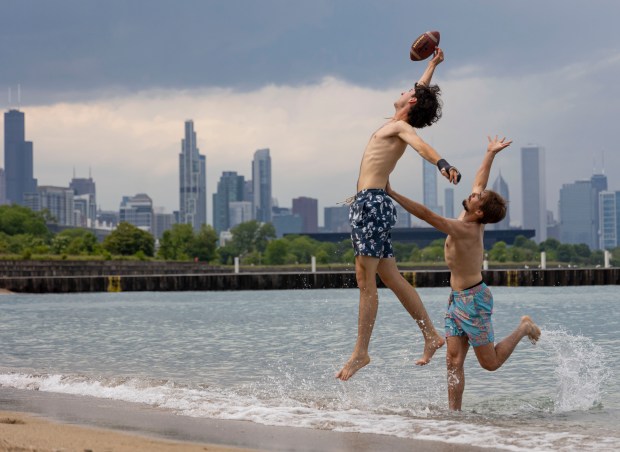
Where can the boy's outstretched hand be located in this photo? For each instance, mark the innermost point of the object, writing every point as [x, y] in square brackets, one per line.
[496, 145]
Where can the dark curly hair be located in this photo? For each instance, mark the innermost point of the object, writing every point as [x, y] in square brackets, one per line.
[427, 109]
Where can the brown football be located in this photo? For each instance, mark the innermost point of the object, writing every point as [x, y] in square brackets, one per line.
[424, 46]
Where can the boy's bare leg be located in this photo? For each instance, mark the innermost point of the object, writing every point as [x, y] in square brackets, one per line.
[408, 296]
[491, 357]
[365, 272]
[458, 346]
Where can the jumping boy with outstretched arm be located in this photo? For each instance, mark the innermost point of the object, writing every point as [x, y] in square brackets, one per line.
[372, 215]
[468, 318]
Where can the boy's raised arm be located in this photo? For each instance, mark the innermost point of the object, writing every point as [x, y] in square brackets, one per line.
[482, 176]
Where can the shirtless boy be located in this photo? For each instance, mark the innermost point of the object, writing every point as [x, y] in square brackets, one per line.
[373, 214]
[468, 318]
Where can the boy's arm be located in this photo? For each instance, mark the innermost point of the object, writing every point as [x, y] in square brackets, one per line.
[426, 151]
[430, 69]
[445, 225]
[482, 176]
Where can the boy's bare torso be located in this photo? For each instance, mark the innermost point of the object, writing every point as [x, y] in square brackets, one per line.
[382, 153]
[464, 255]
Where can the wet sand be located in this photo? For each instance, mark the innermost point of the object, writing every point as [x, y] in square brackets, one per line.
[51, 422]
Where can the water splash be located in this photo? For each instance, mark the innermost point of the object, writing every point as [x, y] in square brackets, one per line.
[580, 370]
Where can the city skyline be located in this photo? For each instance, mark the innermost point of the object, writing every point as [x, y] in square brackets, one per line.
[104, 88]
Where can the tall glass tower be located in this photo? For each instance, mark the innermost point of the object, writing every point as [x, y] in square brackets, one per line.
[577, 211]
[261, 185]
[501, 188]
[230, 188]
[86, 188]
[534, 194]
[449, 202]
[18, 158]
[429, 179]
[192, 181]
[609, 219]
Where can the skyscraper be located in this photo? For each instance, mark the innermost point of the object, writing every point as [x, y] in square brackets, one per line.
[18, 158]
[58, 201]
[599, 184]
[448, 195]
[534, 192]
[230, 188]
[137, 210]
[501, 188]
[308, 210]
[609, 219]
[86, 189]
[429, 179]
[403, 218]
[2, 188]
[261, 185]
[192, 181]
[336, 219]
[577, 210]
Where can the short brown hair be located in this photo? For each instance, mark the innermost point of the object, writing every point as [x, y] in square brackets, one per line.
[493, 208]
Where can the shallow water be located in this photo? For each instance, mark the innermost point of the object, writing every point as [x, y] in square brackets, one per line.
[270, 357]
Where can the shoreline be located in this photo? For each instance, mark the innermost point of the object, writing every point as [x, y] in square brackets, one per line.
[69, 422]
[28, 432]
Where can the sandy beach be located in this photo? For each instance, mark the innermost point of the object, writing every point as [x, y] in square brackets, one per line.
[21, 432]
[39, 421]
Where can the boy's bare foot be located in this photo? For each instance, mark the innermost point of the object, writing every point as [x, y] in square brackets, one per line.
[530, 328]
[430, 347]
[354, 364]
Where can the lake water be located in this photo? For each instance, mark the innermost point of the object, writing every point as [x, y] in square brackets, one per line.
[270, 357]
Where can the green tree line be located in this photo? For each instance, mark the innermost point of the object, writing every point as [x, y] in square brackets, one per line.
[23, 233]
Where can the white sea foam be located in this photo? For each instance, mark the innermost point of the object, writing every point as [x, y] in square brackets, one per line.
[580, 369]
[217, 403]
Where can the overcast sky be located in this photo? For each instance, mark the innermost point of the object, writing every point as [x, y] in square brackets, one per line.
[108, 84]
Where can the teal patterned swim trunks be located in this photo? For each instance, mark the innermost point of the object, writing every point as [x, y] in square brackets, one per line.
[372, 215]
[469, 314]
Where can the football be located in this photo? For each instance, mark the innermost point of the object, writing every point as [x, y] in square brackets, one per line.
[424, 46]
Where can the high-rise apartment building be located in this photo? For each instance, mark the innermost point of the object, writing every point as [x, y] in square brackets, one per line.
[58, 201]
[429, 189]
[261, 185]
[162, 222]
[577, 211]
[192, 181]
[337, 219]
[137, 210]
[403, 218]
[534, 192]
[501, 188]
[285, 221]
[85, 189]
[230, 188]
[18, 158]
[308, 210]
[239, 212]
[599, 184]
[609, 219]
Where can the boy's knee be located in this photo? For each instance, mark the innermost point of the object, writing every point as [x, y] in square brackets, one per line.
[490, 366]
[454, 361]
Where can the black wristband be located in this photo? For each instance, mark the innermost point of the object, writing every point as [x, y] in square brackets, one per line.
[442, 164]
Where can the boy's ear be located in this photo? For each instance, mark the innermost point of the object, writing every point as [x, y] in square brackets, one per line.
[479, 213]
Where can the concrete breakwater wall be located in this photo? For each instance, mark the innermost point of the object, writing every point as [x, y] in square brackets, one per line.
[292, 280]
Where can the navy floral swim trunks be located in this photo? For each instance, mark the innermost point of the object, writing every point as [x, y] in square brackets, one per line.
[372, 215]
